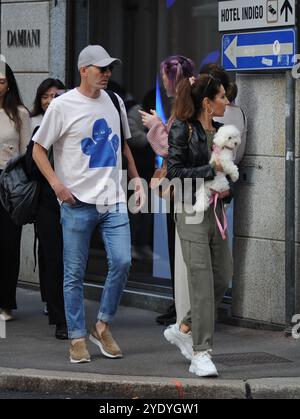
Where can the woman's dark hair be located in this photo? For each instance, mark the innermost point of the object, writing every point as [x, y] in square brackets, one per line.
[232, 92]
[189, 98]
[42, 89]
[12, 99]
[217, 72]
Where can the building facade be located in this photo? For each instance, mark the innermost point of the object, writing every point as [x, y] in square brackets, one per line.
[43, 38]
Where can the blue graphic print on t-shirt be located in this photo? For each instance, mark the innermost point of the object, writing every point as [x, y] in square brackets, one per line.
[103, 151]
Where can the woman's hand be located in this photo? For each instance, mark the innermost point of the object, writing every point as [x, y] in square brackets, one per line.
[222, 195]
[149, 118]
[217, 165]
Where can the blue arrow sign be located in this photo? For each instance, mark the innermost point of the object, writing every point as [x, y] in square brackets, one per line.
[259, 50]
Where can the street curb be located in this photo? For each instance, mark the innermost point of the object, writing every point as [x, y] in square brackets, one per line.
[72, 384]
[80, 384]
[274, 388]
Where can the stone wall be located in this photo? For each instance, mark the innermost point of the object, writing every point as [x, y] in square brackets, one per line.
[33, 62]
[259, 244]
[33, 41]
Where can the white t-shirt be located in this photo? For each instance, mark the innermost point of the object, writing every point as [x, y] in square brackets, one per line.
[86, 139]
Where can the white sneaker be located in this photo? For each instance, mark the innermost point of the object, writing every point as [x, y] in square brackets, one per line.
[6, 316]
[183, 341]
[202, 365]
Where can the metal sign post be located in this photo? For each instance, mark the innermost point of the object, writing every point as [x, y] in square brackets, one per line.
[290, 200]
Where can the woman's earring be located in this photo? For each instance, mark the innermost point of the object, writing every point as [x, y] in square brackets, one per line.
[209, 113]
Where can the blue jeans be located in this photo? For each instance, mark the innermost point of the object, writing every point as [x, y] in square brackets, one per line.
[78, 223]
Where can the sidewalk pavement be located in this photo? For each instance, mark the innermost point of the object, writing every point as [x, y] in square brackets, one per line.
[251, 363]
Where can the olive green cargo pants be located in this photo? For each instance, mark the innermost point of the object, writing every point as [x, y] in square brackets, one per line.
[209, 266]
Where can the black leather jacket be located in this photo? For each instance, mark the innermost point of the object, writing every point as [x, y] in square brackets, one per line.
[188, 154]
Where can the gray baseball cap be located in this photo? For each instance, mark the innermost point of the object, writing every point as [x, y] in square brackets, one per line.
[96, 55]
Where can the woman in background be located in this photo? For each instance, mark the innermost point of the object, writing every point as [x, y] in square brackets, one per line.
[14, 137]
[46, 92]
[173, 70]
[47, 225]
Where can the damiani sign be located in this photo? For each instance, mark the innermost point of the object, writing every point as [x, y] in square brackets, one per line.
[24, 38]
[249, 14]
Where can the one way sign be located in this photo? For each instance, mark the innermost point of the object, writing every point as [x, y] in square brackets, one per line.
[259, 50]
[253, 14]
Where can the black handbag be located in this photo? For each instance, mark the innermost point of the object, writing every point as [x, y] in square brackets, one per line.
[19, 194]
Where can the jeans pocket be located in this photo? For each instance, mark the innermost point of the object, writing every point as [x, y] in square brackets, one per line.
[78, 204]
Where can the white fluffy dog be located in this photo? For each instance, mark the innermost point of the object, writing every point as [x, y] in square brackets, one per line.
[226, 141]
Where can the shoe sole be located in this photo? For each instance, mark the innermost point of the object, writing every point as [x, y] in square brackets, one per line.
[61, 337]
[79, 361]
[183, 351]
[194, 370]
[6, 318]
[103, 351]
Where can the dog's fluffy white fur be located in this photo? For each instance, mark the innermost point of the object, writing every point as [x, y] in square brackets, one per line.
[226, 141]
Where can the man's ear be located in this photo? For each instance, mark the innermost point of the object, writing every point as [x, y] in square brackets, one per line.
[83, 72]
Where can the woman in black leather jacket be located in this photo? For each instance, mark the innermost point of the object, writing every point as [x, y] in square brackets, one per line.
[206, 254]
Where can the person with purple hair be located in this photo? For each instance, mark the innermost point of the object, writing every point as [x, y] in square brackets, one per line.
[173, 70]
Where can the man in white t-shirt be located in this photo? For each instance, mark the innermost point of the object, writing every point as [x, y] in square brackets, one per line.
[83, 126]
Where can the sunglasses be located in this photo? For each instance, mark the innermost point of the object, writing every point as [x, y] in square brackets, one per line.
[103, 69]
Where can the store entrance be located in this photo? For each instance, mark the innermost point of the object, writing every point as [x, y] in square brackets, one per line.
[128, 29]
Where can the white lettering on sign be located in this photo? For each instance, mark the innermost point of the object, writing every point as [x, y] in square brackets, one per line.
[248, 14]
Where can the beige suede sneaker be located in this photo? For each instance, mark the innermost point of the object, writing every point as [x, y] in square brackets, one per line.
[79, 353]
[108, 346]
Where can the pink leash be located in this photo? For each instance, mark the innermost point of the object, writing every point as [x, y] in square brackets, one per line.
[214, 200]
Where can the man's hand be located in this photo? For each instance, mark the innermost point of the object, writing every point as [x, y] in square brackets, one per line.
[63, 194]
[139, 195]
[149, 118]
